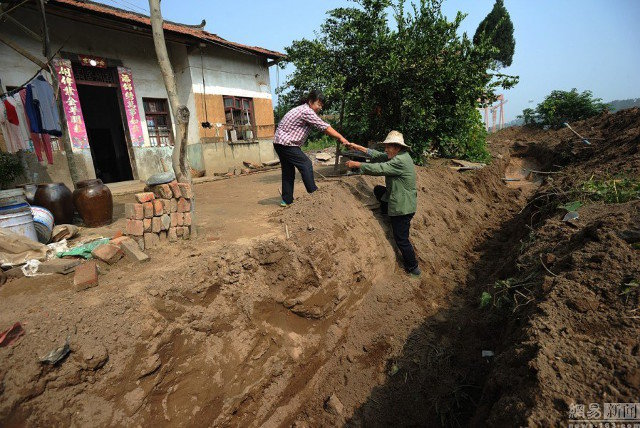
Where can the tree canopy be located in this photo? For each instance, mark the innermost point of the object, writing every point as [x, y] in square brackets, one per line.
[498, 29]
[421, 78]
[563, 106]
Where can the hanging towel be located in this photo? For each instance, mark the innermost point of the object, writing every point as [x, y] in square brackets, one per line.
[41, 142]
[25, 135]
[44, 100]
[10, 131]
[12, 115]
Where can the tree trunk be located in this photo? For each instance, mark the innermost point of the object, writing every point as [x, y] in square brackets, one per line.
[180, 111]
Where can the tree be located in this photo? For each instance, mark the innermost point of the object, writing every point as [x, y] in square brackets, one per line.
[563, 106]
[421, 78]
[180, 112]
[498, 29]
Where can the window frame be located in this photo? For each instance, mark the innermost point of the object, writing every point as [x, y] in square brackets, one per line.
[154, 114]
[235, 102]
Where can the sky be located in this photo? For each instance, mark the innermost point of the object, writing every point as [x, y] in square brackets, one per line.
[560, 44]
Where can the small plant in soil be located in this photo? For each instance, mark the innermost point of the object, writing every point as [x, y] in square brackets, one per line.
[612, 190]
[510, 293]
[629, 289]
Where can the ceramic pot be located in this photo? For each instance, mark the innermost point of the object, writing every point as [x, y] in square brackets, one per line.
[94, 202]
[57, 198]
[29, 192]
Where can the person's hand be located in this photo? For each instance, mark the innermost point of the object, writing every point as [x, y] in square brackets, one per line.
[346, 142]
[353, 164]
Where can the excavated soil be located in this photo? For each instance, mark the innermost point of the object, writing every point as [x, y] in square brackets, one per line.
[312, 321]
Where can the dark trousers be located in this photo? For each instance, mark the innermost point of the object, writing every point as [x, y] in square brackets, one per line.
[400, 225]
[291, 157]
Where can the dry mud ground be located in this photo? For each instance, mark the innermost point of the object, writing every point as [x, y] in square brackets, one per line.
[244, 327]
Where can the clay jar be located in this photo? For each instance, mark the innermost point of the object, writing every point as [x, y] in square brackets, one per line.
[57, 198]
[29, 192]
[94, 202]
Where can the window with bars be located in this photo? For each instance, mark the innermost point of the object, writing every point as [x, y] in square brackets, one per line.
[239, 117]
[156, 111]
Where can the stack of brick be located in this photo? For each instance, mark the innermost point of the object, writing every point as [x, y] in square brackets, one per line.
[160, 214]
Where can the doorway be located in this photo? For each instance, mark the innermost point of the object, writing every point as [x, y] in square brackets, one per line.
[103, 121]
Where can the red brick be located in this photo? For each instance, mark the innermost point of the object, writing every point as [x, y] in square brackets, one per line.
[147, 224]
[131, 249]
[117, 241]
[173, 205]
[156, 224]
[134, 211]
[184, 205]
[185, 190]
[179, 230]
[148, 209]
[187, 219]
[108, 253]
[117, 235]
[166, 221]
[180, 217]
[186, 232]
[162, 236]
[135, 227]
[172, 234]
[144, 197]
[162, 191]
[174, 219]
[175, 189]
[140, 242]
[86, 276]
[150, 240]
[166, 205]
[157, 207]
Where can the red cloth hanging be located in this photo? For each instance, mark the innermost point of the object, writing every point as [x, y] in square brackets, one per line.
[12, 115]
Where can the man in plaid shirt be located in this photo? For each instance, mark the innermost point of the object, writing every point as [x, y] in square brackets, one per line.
[292, 132]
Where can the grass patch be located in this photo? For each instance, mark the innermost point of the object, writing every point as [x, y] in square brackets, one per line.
[322, 142]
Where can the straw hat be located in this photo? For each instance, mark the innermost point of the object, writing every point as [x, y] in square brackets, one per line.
[395, 137]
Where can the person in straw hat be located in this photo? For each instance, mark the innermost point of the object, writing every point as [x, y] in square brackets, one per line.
[398, 199]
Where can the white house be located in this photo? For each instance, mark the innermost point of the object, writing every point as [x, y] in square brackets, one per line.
[114, 99]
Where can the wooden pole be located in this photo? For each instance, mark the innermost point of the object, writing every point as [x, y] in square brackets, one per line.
[335, 167]
[23, 52]
[45, 31]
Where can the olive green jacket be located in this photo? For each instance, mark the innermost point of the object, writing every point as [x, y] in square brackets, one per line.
[400, 178]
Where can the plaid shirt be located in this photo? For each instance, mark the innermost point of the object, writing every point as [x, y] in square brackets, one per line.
[295, 126]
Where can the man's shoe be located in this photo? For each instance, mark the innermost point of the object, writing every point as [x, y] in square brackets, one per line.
[284, 204]
[415, 272]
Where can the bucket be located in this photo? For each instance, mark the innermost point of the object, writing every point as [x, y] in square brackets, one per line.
[12, 199]
[43, 222]
[19, 221]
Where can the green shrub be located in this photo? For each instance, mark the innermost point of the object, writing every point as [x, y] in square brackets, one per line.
[10, 169]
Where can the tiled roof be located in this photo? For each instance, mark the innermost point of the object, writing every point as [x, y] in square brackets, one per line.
[137, 18]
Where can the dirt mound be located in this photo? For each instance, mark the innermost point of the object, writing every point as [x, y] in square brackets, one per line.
[574, 337]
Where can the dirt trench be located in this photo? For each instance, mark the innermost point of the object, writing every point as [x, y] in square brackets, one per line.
[264, 331]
